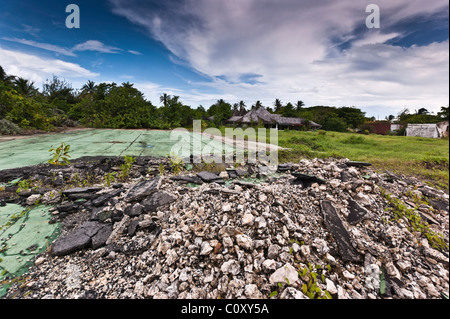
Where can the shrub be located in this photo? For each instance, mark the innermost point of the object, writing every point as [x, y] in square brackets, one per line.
[354, 140]
[9, 128]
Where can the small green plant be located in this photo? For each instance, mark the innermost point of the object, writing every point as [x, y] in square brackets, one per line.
[125, 168]
[275, 292]
[24, 185]
[176, 163]
[312, 275]
[161, 169]
[60, 155]
[110, 178]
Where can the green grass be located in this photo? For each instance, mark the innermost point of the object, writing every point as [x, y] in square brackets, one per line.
[424, 158]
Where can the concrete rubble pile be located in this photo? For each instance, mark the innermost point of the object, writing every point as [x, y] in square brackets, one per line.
[160, 237]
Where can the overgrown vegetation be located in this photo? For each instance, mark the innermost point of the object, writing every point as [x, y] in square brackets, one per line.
[109, 105]
[424, 158]
[414, 220]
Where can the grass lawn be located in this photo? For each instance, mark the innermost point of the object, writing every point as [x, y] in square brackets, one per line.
[425, 158]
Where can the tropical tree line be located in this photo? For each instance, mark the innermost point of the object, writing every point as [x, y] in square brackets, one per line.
[110, 105]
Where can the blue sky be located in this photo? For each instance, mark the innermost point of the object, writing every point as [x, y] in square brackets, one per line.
[320, 52]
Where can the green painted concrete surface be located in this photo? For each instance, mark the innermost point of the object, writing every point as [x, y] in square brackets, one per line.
[104, 142]
[24, 232]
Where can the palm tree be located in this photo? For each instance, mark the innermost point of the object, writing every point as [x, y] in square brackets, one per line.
[7, 79]
[25, 87]
[257, 105]
[164, 98]
[242, 107]
[127, 85]
[88, 88]
[278, 105]
[299, 105]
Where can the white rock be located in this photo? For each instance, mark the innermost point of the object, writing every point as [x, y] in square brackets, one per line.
[139, 288]
[247, 219]
[31, 200]
[372, 276]
[363, 199]
[285, 274]
[348, 275]
[292, 293]
[206, 248]
[223, 174]
[260, 222]
[51, 197]
[269, 265]
[39, 261]
[262, 197]
[251, 291]
[244, 241]
[227, 242]
[331, 287]
[226, 207]
[305, 251]
[231, 267]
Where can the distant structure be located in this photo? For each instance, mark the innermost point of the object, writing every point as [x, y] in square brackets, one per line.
[262, 116]
[383, 127]
[435, 130]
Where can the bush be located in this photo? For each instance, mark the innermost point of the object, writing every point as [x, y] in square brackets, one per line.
[9, 128]
[354, 140]
[335, 124]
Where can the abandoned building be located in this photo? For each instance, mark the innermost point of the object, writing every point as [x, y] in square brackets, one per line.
[261, 116]
[434, 130]
[383, 127]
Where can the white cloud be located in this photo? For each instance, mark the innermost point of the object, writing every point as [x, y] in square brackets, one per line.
[291, 46]
[38, 69]
[134, 52]
[44, 46]
[90, 45]
[94, 45]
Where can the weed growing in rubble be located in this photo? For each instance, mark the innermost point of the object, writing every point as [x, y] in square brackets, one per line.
[176, 164]
[60, 155]
[110, 178]
[310, 275]
[24, 185]
[161, 169]
[125, 168]
[415, 221]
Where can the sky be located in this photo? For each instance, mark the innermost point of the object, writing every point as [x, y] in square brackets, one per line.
[319, 52]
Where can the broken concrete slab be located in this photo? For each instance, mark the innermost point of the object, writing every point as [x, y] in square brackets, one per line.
[209, 177]
[285, 167]
[105, 197]
[187, 179]
[340, 234]
[158, 199]
[358, 164]
[134, 210]
[79, 190]
[357, 212]
[143, 189]
[89, 234]
[439, 204]
[345, 176]
[307, 180]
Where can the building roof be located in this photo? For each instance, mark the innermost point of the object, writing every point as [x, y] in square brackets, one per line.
[262, 115]
[257, 115]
